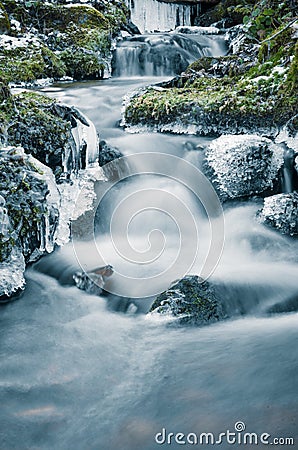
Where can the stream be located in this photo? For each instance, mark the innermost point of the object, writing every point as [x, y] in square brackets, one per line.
[94, 373]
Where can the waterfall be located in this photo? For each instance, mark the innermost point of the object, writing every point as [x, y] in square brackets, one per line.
[152, 15]
[162, 54]
[288, 175]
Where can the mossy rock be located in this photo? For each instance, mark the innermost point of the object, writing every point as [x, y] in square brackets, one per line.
[73, 40]
[28, 62]
[80, 64]
[225, 95]
[189, 301]
[31, 120]
[25, 191]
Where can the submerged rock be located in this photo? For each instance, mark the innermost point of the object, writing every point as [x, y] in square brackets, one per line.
[107, 153]
[281, 212]
[112, 161]
[243, 165]
[190, 301]
[93, 282]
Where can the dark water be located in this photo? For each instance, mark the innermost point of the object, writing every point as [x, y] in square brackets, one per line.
[77, 375]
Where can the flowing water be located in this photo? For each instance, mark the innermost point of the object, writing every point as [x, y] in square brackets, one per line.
[95, 373]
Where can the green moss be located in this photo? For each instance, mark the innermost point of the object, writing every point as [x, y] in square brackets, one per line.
[81, 65]
[24, 195]
[263, 93]
[30, 62]
[79, 30]
[31, 121]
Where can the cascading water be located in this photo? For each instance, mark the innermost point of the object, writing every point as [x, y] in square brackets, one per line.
[76, 375]
[163, 54]
[153, 15]
[289, 173]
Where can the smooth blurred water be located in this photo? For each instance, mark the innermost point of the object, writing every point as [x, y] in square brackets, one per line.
[77, 373]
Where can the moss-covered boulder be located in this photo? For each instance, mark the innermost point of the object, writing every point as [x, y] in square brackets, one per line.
[190, 301]
[25, 59]
[52, 132]
[30, 200]
[281, 212]
[31, 121]
[243, 165]
[53, 40]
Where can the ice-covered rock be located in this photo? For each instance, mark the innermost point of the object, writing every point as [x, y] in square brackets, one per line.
[29, 210]
[12, 274]
[281, 212]
[35, 213]
[243, 165]
[190, 301]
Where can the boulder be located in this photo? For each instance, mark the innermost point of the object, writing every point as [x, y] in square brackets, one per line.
[55, 40]
[56, 134]
[189, 301]
[281, 212]
[107, 153]
[29, 211]
[243, 165]
[113, 162]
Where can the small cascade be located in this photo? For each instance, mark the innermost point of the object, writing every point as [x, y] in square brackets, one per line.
[152, 15]
[288, 175]
[158, 54]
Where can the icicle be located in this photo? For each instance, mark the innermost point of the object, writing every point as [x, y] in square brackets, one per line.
[151, 15]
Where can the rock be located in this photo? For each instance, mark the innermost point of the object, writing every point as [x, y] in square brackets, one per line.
[243, 165]
[130, 28]
[57, 135]
[93, 282]
[29, 211]
[12, 279]
[72, 39]
[107, 153]
[114, 165]
[281, 212]
[190, 301]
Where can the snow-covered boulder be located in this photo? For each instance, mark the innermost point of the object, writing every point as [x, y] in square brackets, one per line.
[281, 212]
[243, 165]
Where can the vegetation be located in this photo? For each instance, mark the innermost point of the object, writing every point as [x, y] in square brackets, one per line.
[32, 121]
[56, 40]
[258, 86]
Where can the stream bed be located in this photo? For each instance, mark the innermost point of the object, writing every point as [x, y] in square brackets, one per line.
[80, 373]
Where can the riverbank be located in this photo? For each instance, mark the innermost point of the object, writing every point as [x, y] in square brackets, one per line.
[252, 89]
